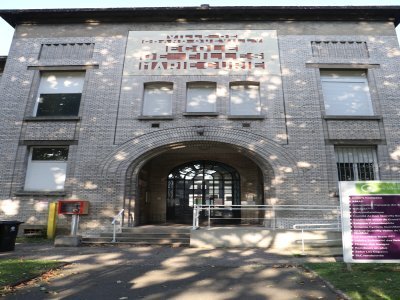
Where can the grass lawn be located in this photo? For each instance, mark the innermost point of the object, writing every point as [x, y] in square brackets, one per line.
[364, 282]
[13, 271]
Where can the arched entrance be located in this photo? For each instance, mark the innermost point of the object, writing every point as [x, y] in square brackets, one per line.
[171, 182]
[202, 182]
[134, 171]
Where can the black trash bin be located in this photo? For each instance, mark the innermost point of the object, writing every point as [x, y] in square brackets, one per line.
[8, 233]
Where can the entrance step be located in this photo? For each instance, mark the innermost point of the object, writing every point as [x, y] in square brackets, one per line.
[136, 241]
[149, 235]
[157, 229]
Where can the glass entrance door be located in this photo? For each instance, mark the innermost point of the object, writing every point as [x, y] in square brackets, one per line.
[202, 182]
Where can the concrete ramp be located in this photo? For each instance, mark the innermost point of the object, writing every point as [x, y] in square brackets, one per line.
[279, 241]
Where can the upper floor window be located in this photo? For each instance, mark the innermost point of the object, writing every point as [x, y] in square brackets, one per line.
[201, 97]
[59, 94]
[346, 93]
[356, 163]
[46, 169]
[245, 98]
[157, 99]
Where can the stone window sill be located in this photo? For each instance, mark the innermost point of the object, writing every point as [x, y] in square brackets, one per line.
[352, 117]
[246, 117]
[52, 119]
[199, 114]
[155, 117]
[41, 193]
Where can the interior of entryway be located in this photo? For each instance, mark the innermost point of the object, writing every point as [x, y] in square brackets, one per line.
[219, 174]
[203, 182]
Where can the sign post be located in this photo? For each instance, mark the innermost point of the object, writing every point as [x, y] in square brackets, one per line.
[370, 221]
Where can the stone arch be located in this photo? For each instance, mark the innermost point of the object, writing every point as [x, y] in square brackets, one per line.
[259, 148]
[122, 166]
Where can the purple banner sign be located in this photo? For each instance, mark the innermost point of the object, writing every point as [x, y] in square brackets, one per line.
[375, 227]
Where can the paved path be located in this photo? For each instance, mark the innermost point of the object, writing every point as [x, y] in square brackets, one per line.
[170, 273]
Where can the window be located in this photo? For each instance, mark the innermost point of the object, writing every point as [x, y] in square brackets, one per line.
[346, 93]
[46, 169]
[245, 99]
[59, 94]
[201, 97]
[356, 163]
[157, 99]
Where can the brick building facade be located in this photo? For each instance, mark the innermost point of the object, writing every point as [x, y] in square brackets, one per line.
[125, 108]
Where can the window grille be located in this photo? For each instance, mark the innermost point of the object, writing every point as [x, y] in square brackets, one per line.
[340, 49]
[356, 163]
[77, 51]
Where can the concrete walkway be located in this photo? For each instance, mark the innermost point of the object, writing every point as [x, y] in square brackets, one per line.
[169, 273]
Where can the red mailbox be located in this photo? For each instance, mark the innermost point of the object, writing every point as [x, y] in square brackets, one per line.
[73, 207]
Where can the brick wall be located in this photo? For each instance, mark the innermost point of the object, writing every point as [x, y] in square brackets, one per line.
[292, 145]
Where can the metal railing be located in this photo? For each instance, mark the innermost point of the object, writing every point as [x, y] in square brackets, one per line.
[307, 227]
[268, 216]
[117, 221]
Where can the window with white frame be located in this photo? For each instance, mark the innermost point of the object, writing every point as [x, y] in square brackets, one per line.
[157, 99]
[201, 97]
[346, 93]
[356, 163]
[59, 94]
[245, 98]
[46, 169]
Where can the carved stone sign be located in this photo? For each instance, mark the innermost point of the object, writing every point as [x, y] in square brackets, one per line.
[202, 52]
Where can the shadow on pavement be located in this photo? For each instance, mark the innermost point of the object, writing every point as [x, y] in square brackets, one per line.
[129, 272]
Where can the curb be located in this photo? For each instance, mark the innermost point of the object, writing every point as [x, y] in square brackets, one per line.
[328, 284]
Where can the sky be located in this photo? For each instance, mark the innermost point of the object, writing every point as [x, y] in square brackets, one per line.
[6, 31]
